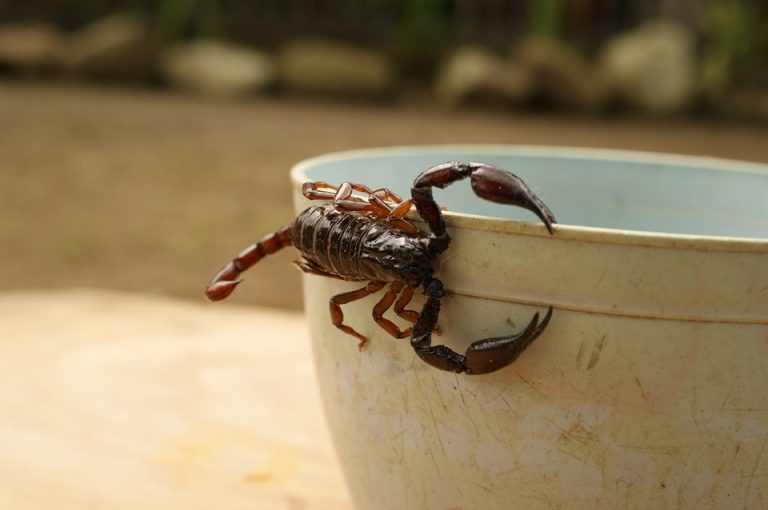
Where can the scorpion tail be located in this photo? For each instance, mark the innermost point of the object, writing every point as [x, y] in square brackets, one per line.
[226, 280]
[221, 289]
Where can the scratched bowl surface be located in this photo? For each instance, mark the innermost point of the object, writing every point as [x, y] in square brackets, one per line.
[647, 389]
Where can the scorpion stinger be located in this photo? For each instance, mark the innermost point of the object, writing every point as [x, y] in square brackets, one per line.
[225, 281]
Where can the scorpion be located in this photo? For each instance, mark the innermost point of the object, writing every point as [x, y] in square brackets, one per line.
[368, 239]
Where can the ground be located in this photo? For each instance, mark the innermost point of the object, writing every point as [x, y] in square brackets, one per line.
[152, 191]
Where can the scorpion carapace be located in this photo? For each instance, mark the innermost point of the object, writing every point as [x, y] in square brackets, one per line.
[362, 235]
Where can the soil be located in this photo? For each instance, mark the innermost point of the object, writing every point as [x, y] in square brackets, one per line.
[152, 191]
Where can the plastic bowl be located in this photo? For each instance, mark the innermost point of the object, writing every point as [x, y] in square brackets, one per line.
[648, 389]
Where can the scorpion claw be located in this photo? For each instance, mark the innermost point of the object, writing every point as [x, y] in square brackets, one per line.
[483, 356]
[442, 357]
[488, 182]
[491, 354]
[504, 187]
[220, 290]
[532, 203]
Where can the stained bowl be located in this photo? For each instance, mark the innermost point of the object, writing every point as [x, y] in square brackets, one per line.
[646, 390]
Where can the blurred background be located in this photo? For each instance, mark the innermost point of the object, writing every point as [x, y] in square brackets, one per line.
[144, 143]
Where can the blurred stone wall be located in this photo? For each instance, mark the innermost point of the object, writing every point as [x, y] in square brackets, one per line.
[656, 56]
[376, 22]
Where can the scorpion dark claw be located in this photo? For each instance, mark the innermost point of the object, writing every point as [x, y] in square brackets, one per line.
[488, 182]
[482, 356]
[491, 354]
[504, 187]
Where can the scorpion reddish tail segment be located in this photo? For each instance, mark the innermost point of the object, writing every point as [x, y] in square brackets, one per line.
[362, 235]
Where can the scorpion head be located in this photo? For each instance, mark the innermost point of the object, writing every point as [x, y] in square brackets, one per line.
[398, 258]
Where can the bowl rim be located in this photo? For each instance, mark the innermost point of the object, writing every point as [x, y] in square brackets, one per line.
[579, 233]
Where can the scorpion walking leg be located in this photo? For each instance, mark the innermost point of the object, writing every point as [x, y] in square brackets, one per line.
[396, 215]
[482, 356]
[225, 281]
[405, 298]
[383, 196]
[376, 207]
[337, 316]
[341, 196]
[382, 306]
[319, 190]
[381, 204]
[410, 315]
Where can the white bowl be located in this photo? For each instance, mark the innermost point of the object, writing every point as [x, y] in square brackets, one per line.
[648, 389]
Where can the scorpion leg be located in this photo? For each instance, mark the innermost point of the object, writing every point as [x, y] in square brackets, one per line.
[383, 305]
[337, 316]
[388, 206]
[383, 196]
[344, 200]
[396, 215]
[340, 194]
[225, 281]
[482, 356]
[382, 204]
[488, 182]
[387, 194]
[405, 298]
[319, 190]
[410, 315]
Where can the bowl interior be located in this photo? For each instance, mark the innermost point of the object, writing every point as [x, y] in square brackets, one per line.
[604, 189]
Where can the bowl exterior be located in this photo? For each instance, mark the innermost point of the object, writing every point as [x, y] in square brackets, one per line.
[647, 389]
[601, 410]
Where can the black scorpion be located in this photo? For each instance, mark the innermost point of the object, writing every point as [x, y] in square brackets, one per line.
[368, 239]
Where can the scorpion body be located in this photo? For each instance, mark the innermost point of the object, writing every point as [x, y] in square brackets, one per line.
[368, 239]
[354, 248]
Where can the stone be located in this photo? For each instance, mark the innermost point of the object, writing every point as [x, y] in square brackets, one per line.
[218, 69]
[653, 66]
[476, 74]
[116, 47]
[330, 67]
[29, 47]
[564, 77]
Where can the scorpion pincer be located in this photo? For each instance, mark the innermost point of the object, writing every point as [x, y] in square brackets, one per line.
[367, 239]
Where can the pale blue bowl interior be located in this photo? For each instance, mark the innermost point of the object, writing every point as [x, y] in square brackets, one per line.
[632, 191]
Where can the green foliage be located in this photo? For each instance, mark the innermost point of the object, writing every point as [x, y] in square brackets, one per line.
[417, 28]
[732, 34]
[175, 18]
[544, 17]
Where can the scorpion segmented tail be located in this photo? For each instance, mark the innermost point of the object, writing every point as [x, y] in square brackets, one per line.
[226, 280]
